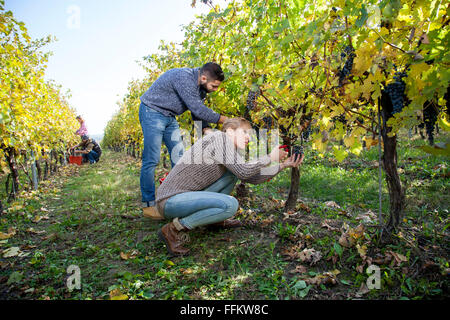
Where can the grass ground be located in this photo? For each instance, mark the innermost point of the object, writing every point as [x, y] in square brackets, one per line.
[89, 216]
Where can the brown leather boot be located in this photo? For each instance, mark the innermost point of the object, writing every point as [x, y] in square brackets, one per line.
[226, 224]
[173, 236]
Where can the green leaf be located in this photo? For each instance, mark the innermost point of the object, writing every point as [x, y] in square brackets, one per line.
[338, 249]
[288, 39]
[340, 154]
[15, 277]
[300, 285]
[362, 18]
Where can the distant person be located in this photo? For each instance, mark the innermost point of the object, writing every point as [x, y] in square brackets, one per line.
[89, 149]
[82, 130]
[173, 93]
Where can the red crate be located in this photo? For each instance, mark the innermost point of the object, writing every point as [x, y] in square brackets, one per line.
[76, 160]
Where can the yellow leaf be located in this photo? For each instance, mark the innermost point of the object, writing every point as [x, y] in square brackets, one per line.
[11, 232]
[120, 297]
[362, 250]
[370, 142]
[117, 295]
[169, 263]
[11, 252]
[363, 60]
[418, 69]
[348, 141]
[443, 123]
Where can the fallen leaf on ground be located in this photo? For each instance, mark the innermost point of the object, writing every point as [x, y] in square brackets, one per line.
[117, 295]
[332, 204]
[326, 225]
[399, 258]
[39, 218]
[31, 230]
[310, 256]
[27, 247]
[267, 221]
[362, 290]
[186, 271]
[325, 278]
[293, 252]
[129, 255]
[348, 239]
[299, 269]
[11, 232]
[360, 268]
[11, 252]
[367, 217]
[362, 250]
[51, 236]
[304, 207]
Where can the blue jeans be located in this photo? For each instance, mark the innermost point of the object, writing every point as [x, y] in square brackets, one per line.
[156, 128]
[199, 208]
[91, 156]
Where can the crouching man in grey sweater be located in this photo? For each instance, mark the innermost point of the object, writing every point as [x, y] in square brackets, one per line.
[197, 190]
[173, 93]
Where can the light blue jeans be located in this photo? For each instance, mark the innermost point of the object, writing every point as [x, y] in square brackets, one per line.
[199, 208]
[156, 128]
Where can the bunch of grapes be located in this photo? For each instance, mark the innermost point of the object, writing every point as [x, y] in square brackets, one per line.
[268, 121]
[306, 133]
[429, 118]
[340, 118]
[251, 99]
[396, 91]
[347, 69]
[298, 151]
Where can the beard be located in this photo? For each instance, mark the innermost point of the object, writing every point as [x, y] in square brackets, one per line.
[204, 88]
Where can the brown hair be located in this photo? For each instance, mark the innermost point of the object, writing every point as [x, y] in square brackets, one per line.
[234, 123]
[213, 71]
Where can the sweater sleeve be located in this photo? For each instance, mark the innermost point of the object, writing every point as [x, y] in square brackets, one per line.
[188, 92]
[225, 153]
[264, 175]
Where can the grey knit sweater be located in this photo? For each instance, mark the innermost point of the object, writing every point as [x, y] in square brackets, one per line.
[176, 91]
[205, 163]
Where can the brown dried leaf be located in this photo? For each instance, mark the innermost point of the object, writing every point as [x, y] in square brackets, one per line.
[310, 256]
[346, 241]
[326, 225]
[31, 230]
[367, 217]
[299, 269]
[129, 255]
[304, 207]
[363, 290]
[11, 232]
[325, 278]
[332, 204]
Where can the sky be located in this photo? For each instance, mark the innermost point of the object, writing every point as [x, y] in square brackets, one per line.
[99, 42]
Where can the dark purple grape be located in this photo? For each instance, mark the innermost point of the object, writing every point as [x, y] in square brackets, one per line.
[347, 69]
[396, 92]
[251, 99]
[429, 118]
[298, 151]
